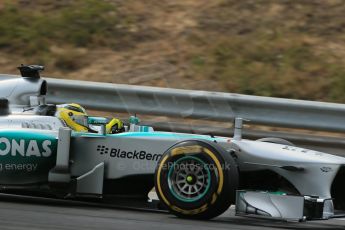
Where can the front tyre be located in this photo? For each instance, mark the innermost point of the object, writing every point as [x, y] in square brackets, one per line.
[196, 179]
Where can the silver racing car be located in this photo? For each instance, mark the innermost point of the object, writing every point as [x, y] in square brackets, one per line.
[195, 176]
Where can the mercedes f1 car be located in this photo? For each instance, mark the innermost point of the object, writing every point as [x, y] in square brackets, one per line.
[195, 176]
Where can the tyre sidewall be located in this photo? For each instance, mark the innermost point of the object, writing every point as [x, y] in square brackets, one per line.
[223, 184]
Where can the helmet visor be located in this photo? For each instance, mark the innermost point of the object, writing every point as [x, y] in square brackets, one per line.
[81, 120]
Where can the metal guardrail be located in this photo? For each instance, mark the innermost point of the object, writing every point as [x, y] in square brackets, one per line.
[198, 104]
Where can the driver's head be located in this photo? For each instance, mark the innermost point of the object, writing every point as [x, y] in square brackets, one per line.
[74, 115]
[73, 108]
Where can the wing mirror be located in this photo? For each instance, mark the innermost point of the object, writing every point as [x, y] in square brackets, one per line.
[238, 126]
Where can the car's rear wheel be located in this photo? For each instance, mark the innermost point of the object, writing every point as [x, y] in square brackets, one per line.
[196, 179]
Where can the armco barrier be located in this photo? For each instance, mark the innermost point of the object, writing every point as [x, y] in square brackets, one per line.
[198, 104]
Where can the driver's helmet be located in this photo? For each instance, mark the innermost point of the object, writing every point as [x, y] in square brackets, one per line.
[74, 116]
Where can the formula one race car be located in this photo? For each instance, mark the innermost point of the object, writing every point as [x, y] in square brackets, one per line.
[195, 176]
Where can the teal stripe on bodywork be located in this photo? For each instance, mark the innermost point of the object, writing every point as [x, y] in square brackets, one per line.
[152, 134]
[39, 134]
[26, 134]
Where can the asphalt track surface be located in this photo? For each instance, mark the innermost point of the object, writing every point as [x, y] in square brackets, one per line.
[35, 213]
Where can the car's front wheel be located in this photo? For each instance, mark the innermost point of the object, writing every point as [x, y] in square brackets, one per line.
[196, 179]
